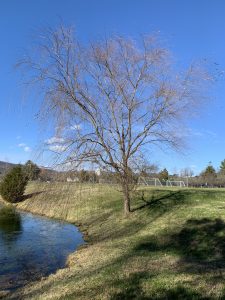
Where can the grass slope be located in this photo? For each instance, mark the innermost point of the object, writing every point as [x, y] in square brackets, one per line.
[171, 247]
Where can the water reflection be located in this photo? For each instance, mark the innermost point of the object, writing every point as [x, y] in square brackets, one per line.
[10, 223]
[32, 247]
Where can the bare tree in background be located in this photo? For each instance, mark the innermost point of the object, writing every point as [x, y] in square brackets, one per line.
[113, 99]
[186, 172]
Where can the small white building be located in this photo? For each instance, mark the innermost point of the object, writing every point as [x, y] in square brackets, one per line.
[74, 179]
[98, 172]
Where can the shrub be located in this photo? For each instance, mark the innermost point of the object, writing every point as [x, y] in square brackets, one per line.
[13, 185]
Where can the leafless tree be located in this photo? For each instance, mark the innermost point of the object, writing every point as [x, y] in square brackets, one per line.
[186, 172]
[113, 99]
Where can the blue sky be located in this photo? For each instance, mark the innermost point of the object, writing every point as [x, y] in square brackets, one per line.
[191, 29]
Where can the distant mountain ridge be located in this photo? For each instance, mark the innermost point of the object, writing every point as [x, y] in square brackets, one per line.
[5, 167]
[46, 173]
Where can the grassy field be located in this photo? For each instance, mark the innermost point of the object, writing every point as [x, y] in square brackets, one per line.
[171, 247]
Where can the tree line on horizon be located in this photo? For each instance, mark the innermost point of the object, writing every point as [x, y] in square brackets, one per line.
[13, 185]
[34, 172]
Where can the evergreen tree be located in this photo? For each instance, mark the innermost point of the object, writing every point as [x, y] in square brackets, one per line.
[31, 170]
[13, 185]
[222, 166]
[164, 174]
[84, 176]
[209, 174]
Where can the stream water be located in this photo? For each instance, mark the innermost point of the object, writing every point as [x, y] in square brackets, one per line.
[32, 247]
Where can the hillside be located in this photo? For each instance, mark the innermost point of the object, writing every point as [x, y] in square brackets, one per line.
[171, 246]
[5, 167]
[46, 174]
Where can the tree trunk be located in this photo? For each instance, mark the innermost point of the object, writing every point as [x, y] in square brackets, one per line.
[126, 195]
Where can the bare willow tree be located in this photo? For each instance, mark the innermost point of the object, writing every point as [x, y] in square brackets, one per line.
[112, 99]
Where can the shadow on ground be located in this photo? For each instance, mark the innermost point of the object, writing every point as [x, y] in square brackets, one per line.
[155, 205]
[162, 198]
[200, 245]
[159, 199]
[28, 196]
[134, 291]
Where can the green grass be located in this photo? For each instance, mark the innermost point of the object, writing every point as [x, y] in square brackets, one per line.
[172, 246]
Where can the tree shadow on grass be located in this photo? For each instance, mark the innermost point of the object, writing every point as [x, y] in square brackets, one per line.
[161, 202]
[132, 289]
[200, 245]
[114, 232]
[181, 293]
[156, 205]
[28, 196]
[161, 199]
